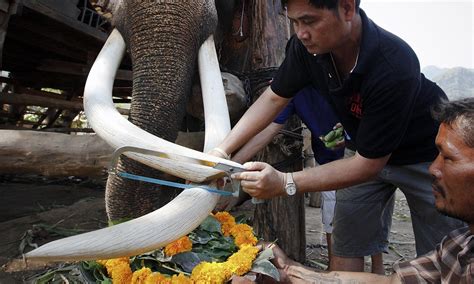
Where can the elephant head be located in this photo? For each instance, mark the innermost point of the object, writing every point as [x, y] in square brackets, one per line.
[164, 37]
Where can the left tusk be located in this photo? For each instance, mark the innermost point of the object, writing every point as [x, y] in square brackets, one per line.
[177, 218]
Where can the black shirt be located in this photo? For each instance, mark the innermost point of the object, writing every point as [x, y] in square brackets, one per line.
[384, 104]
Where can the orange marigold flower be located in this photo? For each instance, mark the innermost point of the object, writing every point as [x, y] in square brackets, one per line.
[245, 238]
[182, 244]
[243, 234]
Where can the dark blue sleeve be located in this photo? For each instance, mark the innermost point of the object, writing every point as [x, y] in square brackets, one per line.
[288, 111]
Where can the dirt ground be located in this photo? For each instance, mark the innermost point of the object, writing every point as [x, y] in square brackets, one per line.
[53, 208]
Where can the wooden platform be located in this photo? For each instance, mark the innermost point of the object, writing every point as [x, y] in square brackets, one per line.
[50, 44]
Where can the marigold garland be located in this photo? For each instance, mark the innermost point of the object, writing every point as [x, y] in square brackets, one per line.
[237, 264]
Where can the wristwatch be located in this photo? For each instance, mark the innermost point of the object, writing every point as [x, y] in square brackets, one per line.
[290, 186]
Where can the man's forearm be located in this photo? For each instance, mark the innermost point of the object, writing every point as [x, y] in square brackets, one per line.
[257, 117]
[339, 174]
[257, 143]
[301, 274]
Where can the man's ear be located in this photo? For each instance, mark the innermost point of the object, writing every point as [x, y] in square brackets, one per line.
[347, 9]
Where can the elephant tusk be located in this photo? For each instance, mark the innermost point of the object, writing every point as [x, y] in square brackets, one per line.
[118, 131]
[177, 218]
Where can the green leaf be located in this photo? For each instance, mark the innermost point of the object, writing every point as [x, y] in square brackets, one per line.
[200, 237]
[94, 272]
[265, 254]
[266, 267]
[204, 257]
[187, 260]
[211, 225]
[224, 243]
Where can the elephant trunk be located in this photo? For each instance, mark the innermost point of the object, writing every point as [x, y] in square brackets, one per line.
[163, 38]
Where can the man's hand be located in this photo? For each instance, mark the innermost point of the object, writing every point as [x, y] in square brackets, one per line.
[262, 180]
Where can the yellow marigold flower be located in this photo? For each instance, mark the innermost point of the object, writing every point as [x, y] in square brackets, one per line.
[139, 276]
[241, 261]
[182, 244]
[213, 273]
[181, 279]
[227, 222]
[156, 277]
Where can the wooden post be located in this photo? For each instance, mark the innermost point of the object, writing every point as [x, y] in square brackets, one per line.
[281, 218]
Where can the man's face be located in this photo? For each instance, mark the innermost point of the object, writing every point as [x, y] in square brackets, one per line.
[453, 171]
[320, 30]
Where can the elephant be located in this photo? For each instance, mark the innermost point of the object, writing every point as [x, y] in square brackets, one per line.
[163, 37]
[164, 65]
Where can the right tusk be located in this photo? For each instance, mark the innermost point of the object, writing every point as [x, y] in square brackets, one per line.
[177, 218]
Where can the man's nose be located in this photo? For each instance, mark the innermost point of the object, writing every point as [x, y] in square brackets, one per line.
[434, 167]
[302, 33]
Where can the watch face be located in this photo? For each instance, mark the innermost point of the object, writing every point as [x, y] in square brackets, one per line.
[291, 189]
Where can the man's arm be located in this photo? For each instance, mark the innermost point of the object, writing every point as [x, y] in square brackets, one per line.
[340, 173]
[257, 117]
[257, 143]
[294, 272]
[301, 274]
[263, 181]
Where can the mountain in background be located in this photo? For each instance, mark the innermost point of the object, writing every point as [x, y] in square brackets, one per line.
[457, 82]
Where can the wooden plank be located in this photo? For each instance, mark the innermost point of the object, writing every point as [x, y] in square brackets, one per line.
[32, 100]
[32, 22]
[72, 23]
[67, 8]
[58, 66]
[49, 45]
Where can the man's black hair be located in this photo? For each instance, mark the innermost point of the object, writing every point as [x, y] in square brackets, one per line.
[324, 4]
[459, 113]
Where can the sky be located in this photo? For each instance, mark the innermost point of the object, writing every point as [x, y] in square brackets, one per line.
[440, 31]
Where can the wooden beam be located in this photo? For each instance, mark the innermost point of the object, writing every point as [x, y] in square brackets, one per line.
[50, 45]
[52, 154]
[70, 22]
[34, 100]
[58, 66]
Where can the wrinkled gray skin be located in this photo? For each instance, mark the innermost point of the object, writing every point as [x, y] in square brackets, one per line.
[163, 37]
